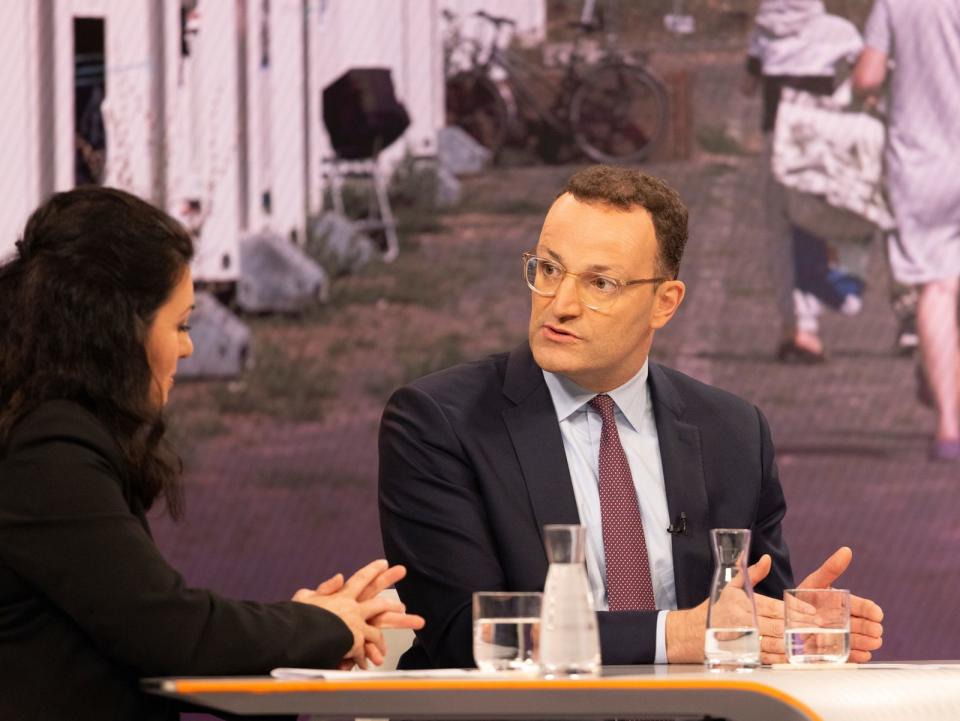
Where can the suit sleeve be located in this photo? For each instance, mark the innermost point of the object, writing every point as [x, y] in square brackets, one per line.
[433, 521]
[67, 531]
[767, 531]
[628, 637]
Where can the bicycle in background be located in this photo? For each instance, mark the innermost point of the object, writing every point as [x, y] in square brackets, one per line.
[614, 109]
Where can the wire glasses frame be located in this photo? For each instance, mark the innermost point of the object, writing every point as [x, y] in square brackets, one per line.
[595, 290]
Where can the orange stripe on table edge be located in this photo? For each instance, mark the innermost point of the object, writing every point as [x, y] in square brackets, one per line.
[193, 686]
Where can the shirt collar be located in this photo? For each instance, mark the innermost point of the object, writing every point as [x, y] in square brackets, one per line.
[631, 398]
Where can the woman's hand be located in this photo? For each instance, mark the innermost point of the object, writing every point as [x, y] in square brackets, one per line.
[356, 602]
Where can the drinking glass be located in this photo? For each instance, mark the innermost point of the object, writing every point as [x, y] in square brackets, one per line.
[817, 625]
[506, 631]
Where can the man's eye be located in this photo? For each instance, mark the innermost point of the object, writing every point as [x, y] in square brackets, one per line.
[551, 270]
[602, 284]
[184, 328]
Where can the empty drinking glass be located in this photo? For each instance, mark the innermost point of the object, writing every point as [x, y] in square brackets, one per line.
[506, 631]
[817, 625]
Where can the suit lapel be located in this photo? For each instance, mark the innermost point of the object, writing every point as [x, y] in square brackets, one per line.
[686, 490]
[535, 433]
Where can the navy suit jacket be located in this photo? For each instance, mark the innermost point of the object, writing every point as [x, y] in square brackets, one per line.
[472, 466]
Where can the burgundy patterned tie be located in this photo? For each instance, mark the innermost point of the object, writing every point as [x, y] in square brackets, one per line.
[629, 587]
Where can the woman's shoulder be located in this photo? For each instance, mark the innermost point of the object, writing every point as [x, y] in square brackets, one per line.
[65, 424]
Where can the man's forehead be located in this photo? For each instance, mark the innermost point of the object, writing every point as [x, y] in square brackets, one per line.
[569, 217]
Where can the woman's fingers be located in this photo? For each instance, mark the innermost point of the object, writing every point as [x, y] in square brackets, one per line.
[359, 581]
[378, 605]
[374, 636]
[303, 595]
[374, 654]
[331, 585]
[382, 582]
[393, 619]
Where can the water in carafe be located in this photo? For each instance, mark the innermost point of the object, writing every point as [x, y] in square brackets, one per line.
[569, 638]
[733, 634]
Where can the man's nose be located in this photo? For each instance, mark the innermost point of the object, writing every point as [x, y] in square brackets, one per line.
[566, 301]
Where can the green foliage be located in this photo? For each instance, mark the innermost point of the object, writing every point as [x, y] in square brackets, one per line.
[285, 383]
[716, 140]
[412, 279]
[414, 360]
[413, 196]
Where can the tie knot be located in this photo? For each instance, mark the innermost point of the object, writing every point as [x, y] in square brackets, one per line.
[603, 404]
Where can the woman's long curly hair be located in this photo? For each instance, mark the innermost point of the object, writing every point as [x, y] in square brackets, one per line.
[92, 268]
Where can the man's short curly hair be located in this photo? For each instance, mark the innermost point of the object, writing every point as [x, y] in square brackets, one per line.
[626, 188]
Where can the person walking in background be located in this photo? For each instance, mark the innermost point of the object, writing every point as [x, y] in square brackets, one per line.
[797, 44]
[922, 39]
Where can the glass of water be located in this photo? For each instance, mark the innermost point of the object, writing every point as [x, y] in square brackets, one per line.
[506, 631]
[817, 625]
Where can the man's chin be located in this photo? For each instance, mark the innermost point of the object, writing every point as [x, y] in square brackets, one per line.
[554, 359]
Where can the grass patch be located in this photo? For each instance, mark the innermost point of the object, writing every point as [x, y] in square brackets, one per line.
[282, 384]
[413, 279]
[716, 140]
[190, 422]
[416, 361]
[717, 170]
[417, 220]
[349, 343]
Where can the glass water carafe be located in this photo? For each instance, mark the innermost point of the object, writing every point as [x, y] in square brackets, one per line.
[569, 638]
[733, 635]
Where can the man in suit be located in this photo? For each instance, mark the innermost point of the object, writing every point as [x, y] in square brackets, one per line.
[579, 426]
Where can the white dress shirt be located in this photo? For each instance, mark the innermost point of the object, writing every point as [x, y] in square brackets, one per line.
[580, 426]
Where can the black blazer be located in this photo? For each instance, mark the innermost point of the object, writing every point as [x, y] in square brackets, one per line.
[472, 467]
[88, 605]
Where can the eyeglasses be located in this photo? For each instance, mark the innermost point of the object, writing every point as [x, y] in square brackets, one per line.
[596, 291]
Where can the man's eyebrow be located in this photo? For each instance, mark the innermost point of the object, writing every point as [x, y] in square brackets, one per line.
[596, 267]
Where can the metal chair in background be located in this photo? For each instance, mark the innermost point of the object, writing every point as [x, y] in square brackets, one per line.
[363, 117]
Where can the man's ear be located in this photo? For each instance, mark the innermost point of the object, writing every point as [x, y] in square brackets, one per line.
[669, 296]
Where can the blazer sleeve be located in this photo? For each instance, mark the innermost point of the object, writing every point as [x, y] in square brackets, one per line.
[67, 531]
[767, 531]
[433, 521]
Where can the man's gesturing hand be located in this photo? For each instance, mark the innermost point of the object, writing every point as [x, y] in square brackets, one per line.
[866, 632]
[686, 630]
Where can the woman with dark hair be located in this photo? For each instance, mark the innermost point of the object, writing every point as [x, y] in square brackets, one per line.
[94, 312]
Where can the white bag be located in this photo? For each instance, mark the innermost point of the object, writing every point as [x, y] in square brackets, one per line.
[830, 160]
